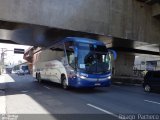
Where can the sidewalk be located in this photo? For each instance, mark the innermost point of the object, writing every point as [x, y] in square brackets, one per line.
[2, 102]
[2, 95]
[124, 80]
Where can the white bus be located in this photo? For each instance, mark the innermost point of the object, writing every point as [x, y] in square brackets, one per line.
[75, 62]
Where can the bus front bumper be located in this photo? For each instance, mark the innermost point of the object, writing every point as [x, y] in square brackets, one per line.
[83, 83]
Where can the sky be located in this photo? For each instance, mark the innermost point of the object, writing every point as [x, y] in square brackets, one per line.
[10, 57]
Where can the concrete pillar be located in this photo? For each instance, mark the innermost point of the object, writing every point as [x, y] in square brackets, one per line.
[123, 65]
[156, 10]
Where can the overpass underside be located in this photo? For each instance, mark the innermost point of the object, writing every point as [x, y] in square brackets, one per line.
[36, 35]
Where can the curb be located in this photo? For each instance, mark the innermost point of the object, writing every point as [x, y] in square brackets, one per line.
[126, 84]
[2, 95]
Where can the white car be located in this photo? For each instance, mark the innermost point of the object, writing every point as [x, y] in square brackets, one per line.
[20, 72]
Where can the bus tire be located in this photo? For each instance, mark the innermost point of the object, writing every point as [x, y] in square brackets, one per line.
[39, 77]
[36, 75]
[63, 82]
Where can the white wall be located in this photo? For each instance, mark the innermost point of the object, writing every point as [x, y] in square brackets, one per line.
[139, 59]
[124, 64]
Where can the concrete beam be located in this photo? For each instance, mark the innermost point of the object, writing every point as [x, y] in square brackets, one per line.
[5, 34]
[156, 10]
[126, 19]
[79, 15]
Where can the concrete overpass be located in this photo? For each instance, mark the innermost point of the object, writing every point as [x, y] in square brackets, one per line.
[125, 25]
[125, 19]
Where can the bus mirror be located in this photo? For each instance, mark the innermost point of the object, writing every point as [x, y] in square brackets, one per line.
[76, 63]
[76, 52]
[71, 47]
[112, 54]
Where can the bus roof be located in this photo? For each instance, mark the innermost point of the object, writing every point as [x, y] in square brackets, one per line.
[78, 39]
[83, 40]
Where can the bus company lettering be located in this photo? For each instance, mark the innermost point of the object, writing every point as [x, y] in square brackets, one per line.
[50, 65]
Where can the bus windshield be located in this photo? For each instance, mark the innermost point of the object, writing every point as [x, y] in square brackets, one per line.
[93, 59]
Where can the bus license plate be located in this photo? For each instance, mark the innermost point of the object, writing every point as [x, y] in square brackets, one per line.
[97, 84]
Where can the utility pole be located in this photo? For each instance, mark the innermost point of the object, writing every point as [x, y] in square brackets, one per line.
[3, 53]
[2, 59]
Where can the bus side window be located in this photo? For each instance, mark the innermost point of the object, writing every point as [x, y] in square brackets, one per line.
[64, 60]
[58, 52]
[70, 53]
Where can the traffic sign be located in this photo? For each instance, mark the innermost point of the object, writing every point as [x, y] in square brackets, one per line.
[18, 51]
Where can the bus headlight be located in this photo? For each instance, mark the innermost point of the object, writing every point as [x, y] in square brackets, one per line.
[109, 77]
[82, 77]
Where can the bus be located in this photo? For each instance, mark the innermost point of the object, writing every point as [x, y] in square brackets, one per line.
[74, 62]
[22, 69]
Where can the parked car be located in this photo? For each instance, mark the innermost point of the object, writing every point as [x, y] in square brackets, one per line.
[152, 81]
[25, 69]
[26, 72]
[20, 72]
[14, 72]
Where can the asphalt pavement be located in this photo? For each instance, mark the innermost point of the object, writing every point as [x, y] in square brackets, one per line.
[24, 95]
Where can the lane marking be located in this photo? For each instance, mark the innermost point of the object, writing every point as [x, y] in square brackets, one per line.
[152, 102]
[105, 111]
[25, 91]
[47, 87]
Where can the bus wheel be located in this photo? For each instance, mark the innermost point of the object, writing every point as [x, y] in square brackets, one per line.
[64, 84]
[36, 75]
[39, 77]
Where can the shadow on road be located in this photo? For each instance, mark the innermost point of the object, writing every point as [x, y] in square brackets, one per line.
[26, 85]
[76, 90]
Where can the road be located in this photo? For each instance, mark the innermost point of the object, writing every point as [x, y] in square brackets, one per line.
[24, 95]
